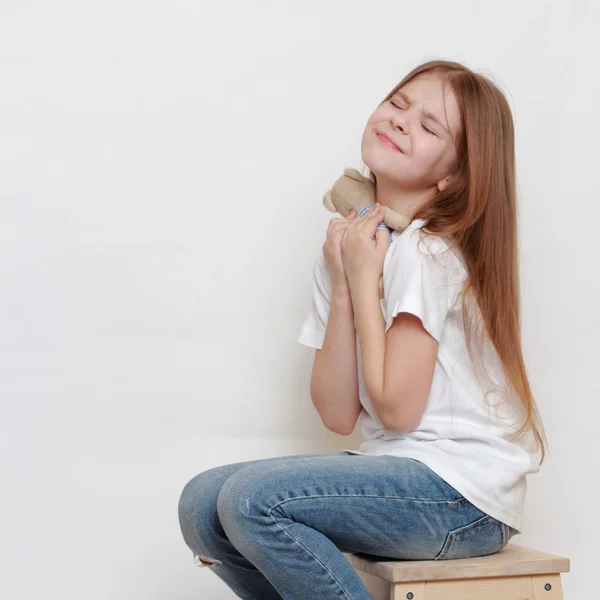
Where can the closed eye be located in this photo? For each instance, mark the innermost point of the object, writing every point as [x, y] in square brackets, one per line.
[425, 128]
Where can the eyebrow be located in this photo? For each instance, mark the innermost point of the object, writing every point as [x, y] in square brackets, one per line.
[426, 113]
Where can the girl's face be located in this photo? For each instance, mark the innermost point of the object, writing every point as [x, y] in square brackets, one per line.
[427, 148]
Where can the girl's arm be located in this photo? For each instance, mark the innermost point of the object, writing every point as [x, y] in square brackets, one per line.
[397, 369]
[370, 326]
[334, 379]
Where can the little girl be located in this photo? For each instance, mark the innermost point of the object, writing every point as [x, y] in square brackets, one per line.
[433, 373]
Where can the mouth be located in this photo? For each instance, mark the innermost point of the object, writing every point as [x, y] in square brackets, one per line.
[388, 141]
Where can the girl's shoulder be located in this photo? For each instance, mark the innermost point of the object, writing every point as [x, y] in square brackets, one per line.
[428, 248]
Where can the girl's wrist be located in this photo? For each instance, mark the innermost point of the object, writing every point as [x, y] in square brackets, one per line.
[340, 288]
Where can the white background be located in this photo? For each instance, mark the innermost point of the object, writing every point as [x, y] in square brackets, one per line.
[162, 169]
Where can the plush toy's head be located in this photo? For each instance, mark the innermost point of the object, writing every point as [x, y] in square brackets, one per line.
[352, 191]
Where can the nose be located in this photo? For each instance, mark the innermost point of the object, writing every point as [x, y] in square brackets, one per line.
[400, 121]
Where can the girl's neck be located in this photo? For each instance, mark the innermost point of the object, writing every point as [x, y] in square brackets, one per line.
[404, 202]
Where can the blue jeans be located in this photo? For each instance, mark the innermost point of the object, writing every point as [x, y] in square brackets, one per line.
[277, 527]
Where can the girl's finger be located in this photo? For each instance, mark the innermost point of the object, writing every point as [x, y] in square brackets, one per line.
[371, 218]
[372, 214]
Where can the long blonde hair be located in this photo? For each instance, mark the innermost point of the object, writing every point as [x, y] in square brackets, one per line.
[478, 211]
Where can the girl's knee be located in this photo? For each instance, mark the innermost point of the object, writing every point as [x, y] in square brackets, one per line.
[188, 498]
[197, 507]
[199, 495]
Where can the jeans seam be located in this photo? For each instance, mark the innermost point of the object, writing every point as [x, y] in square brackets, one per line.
[402, 498]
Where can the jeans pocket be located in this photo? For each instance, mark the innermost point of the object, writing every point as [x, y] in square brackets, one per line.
[483, 536]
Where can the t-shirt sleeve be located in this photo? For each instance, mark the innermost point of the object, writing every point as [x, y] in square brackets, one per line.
[312, 332]
[421, 276]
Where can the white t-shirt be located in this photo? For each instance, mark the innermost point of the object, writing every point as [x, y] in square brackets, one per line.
[460, 437]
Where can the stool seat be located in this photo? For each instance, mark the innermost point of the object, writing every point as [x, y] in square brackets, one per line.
[514, 572]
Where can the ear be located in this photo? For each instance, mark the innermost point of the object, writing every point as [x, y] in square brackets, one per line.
[443, 183]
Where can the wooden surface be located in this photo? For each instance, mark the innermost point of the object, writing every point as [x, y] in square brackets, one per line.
[522, 587]
[511, 561]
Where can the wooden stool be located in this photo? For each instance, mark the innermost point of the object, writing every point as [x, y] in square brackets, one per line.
[514, 573]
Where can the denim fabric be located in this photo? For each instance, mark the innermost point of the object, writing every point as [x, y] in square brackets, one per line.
[277, 527]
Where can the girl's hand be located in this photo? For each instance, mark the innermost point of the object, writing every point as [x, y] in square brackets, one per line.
[332, 248]
[363, 249]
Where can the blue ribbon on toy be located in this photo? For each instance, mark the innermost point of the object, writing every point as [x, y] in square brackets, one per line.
[381, 225]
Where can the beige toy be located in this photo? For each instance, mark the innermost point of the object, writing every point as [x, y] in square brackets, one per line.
[352, 191]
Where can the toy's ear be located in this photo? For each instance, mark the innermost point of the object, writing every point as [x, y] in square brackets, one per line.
[328, 202]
